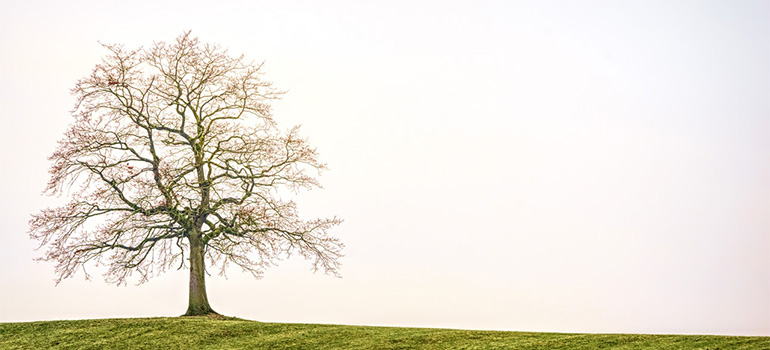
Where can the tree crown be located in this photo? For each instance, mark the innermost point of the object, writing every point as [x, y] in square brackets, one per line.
[173, 144]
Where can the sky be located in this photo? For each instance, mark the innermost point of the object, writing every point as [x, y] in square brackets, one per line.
[559, 166]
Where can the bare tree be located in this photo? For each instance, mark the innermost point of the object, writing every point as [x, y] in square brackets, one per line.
[174, 159]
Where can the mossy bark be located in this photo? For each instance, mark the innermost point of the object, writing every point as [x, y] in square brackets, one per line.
[198, 302]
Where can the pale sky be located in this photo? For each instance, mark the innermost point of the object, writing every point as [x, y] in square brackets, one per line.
[561, 166]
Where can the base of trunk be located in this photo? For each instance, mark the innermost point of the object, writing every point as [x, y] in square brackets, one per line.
[211, 316]
[199, 311]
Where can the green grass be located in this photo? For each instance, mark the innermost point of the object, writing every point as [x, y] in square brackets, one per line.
[231, 333]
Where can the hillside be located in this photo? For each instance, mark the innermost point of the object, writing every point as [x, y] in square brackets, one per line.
[231, 333]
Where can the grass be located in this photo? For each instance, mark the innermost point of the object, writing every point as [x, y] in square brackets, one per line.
[232, 333]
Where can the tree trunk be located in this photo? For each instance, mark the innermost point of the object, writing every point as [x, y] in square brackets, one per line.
[199, 302]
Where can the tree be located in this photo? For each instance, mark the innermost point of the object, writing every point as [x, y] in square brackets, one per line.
[174, 159]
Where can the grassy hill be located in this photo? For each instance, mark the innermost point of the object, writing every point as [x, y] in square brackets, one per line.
[231, 333]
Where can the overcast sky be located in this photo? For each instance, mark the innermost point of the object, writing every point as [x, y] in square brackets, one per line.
[565, 166]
